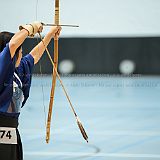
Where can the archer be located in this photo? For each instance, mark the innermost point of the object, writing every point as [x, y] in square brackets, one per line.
[15, 82]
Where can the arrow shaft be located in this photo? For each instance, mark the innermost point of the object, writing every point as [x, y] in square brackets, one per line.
[62, 25]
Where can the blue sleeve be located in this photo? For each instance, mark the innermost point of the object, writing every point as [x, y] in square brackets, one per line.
[7, 67]
[24, 72]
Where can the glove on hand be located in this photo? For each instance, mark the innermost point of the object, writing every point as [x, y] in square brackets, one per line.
[33, 28]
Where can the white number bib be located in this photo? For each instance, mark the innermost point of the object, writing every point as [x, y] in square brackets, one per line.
[8, 135]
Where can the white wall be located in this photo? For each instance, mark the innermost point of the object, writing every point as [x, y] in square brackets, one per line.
[95, 17]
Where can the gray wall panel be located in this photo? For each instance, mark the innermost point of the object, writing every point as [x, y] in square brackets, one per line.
[103, 55]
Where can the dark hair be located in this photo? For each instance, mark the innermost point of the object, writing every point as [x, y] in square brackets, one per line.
[5, 37]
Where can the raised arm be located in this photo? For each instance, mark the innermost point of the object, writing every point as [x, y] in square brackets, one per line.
[25, 31]
[38, 50]
[17, 40]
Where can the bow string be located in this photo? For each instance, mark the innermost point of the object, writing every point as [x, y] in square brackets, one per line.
[56, 74]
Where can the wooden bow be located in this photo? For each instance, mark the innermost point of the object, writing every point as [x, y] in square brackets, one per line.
[54, 74]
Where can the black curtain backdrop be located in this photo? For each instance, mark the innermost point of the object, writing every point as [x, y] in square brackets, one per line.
[103, 55]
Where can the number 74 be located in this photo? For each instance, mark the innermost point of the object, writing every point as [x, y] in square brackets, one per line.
[5, 134]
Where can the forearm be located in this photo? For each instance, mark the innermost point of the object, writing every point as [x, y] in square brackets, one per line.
[17, 40]
[38, 51]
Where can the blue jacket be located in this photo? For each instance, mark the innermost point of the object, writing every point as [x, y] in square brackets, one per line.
[7, 69]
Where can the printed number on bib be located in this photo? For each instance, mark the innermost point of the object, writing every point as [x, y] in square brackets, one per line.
[8, 135]
[5, 133]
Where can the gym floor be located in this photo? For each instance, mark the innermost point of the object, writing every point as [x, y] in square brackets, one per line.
[120, 114]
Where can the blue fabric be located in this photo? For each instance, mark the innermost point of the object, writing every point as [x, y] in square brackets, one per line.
[7, 69]
[6, 77]
[24, 72]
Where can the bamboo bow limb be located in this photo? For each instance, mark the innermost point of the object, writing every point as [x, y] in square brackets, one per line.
[79, 123]
[54, 75]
